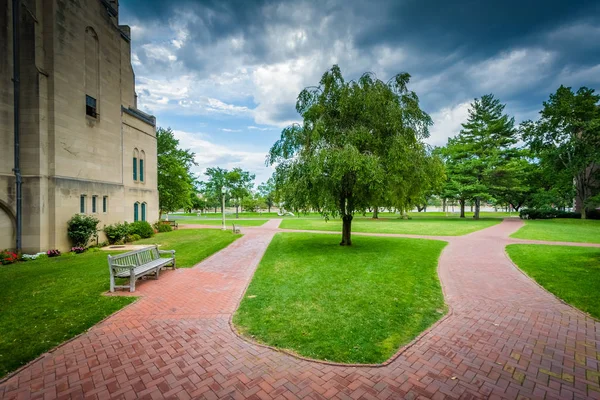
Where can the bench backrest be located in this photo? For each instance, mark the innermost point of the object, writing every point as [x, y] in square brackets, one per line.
[135, 257]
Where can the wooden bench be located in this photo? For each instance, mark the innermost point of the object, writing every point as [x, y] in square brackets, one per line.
[236, 229]
[138, 263]
[173, 224]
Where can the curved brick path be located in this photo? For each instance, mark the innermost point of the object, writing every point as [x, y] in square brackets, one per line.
[506, 338]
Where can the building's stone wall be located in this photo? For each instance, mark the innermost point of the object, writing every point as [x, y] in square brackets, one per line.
[70, 48]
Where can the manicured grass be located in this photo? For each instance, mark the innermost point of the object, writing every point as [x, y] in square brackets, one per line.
[571, 273]
[191, 245]
[426, 226]
[468, 214]
[45, 302]
[355, 304]
[228, 222]
[561, 230]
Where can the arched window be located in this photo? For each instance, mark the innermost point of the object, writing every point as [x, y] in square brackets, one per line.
[143, 211]
[136, 209]
[136, 155]
[92, 72]
[142, 159]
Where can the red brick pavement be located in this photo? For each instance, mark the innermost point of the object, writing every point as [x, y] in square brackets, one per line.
[506, 338]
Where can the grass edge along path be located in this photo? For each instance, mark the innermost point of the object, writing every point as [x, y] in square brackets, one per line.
[418, 226]
[192, 245]
[560, 230]
[47, 301]
[571, 273]
[356, 304]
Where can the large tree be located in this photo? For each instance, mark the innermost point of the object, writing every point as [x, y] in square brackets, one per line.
[567, 139]
[480, 152]
[358, 143]
[175, 179]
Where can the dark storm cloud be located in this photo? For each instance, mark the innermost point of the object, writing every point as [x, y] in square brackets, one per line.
[455, 50]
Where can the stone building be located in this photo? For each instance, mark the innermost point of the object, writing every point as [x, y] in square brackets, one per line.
[84, 145]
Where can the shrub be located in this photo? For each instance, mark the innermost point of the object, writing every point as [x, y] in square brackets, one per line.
[141, 228]
[547, 213]
[8, 257]
[77, 250]
[81, 228]
[161, 227]
[53, 253]
[116, 232]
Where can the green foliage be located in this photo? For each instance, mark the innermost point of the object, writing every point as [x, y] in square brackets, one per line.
[481, 161]
[360, 142]
[237, 183]
[267, 191]
[116, 232]
[142, 229]
[175, 179]
[81, 228]
[566, 139]
[354, 304]
[546, 213]
[132, 238]
[570, 273]
[162, 227]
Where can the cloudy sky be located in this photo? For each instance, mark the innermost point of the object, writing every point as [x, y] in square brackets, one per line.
[224, 74]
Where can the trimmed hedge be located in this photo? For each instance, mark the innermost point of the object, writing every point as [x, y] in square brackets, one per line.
[141, 228]
[548, 213]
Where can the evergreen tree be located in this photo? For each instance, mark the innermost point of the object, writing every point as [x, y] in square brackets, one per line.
[481, 153]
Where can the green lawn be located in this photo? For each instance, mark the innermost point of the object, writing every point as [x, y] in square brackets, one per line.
[47, 301]
[561, 230]
[191, 245]
[355, 304]
[439, 226]
[571, 273]
[228, 222]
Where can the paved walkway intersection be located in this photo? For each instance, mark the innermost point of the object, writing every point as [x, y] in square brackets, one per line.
[505, 338]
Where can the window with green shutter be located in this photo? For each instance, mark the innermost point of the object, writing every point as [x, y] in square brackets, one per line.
[142, 170]
[143, 211]
[105, 204]
[82, 203]
[135, 211]
[94, 198]
[135, 168]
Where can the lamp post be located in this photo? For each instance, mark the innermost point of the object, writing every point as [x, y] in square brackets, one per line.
[223, 192]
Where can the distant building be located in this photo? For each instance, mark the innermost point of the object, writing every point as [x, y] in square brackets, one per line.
[84, 145]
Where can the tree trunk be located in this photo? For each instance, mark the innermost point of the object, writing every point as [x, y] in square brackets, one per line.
[376, 213]
[215, 210]
[477, 208]
[471, 206]
[236, 211]
[346, 230]
[269, 207]
[462, 208]
[583, 212]
[443, 205]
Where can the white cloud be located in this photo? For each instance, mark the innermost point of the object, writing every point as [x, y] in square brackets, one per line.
[209, 154]
[511, 71]
[447, 123]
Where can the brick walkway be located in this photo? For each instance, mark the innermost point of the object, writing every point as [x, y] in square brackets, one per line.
[506, 338]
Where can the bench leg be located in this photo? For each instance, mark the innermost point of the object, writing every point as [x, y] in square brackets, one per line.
[112, 283]
[156, 273]
[132, 283]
